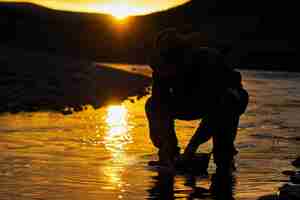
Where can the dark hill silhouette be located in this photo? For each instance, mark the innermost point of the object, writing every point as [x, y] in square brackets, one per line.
[259, 33]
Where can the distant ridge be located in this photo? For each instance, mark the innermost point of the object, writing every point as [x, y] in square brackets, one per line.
[258, 33]
[38, 8]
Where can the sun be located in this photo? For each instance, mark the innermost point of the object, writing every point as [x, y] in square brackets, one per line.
[118, 10]
[120, 15]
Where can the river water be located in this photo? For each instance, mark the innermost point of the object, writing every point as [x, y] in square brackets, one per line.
[103, 153]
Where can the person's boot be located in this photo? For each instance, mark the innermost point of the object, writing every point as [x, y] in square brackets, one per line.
[166, 159]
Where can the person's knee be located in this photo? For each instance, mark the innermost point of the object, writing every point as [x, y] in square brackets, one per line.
[235, 100]
[244, 100]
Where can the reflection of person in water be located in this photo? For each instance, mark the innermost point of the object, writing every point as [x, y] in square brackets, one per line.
[193, 83]
[163, 186]
[221, 187]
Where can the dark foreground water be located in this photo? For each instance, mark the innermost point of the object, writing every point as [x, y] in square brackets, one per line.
[103, 154]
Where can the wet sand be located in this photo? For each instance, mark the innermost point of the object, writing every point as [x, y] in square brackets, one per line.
[103, 153]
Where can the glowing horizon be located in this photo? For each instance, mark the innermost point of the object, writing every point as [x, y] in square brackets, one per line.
[117, 8]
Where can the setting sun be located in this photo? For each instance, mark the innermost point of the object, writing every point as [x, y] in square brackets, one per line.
[120, 16]
[119, 10]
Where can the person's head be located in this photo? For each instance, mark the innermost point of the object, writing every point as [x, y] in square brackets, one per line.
[169, 46]
[169, 42]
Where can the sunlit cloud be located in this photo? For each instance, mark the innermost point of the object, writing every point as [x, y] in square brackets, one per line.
[118, 8]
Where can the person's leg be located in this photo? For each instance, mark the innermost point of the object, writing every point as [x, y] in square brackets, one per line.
[201, 136]
[162, 132]
[225, 116]
[225, 120]
[223, 142]
[240, 101]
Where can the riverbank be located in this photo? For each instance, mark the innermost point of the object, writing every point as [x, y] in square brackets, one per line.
[34, 82]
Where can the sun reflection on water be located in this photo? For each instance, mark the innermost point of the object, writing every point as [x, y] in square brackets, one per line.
[117, 130]
[116, 120]
[117, 136]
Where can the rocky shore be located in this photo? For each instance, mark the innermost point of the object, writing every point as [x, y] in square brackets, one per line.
[291, 189]
[36, 81]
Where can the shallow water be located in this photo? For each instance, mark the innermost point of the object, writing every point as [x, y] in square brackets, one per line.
[103, 154]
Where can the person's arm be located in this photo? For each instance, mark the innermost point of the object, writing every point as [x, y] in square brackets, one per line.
[160, 89]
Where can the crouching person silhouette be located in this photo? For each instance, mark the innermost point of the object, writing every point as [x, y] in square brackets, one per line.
[193, 83]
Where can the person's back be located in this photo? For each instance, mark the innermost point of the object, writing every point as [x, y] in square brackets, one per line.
[201, 76]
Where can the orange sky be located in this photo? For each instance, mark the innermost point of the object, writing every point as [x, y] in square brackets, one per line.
[118, 8]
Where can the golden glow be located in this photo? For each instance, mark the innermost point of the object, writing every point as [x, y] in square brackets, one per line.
[117, 8]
